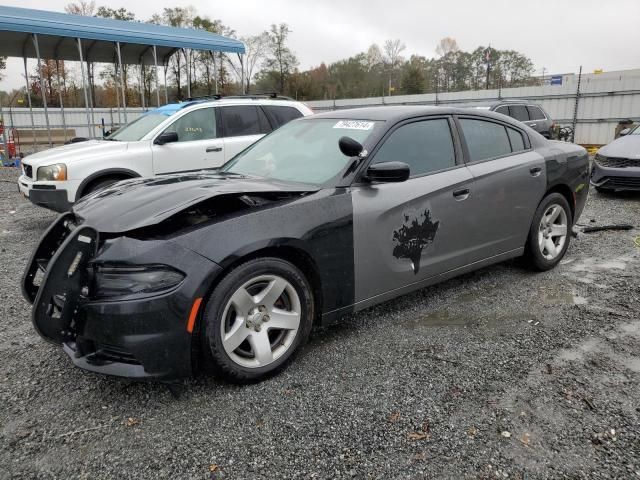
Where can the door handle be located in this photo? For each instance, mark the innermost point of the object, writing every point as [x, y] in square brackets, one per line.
[533, 124]
[535, 171]
[461, 194]
[214, 149]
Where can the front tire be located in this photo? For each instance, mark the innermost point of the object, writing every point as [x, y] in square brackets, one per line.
[549, 235]
[256, 319]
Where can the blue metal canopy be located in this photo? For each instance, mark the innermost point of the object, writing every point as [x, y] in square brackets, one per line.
[58, 33]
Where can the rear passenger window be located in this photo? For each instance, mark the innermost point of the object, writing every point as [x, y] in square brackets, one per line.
[535, 113]
[425, 146]
[519, 112]
[503, 109]
[517, 142]
[282, 114]
[240, 120]
[485, 139]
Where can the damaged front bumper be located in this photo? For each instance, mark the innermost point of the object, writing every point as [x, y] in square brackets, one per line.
[135, 336]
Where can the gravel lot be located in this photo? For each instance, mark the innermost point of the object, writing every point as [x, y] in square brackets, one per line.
[502, 373]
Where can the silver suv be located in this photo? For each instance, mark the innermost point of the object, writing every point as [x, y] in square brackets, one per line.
[528, 113]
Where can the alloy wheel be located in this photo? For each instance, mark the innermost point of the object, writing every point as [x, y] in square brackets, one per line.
[260, 321]
[552, 232]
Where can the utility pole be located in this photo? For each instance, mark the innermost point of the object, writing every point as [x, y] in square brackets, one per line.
[575, 108]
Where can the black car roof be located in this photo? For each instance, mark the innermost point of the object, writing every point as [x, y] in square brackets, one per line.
[398, 113]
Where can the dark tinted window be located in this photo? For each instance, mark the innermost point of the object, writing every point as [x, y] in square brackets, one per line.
[485, 139]
[242, 120]
[517, 142]
[503, 109]
[535, 113]
[519, 112]
[281, 114]
[425, 146]
[197, 125]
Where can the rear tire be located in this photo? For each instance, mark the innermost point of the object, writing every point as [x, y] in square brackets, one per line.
[256, 319]
[550, 233]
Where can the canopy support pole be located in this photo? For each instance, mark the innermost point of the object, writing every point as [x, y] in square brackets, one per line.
[215, 70]
[84, 86]
[116, 87]
[42, 89]
[186, 59]
[122, 86]
[155, 63]
[64, 122]
[166, 89]
[33, 122]
[91, 82]
[142, 100]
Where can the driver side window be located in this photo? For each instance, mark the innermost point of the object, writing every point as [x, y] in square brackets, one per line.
[426, 146]
[197, 125]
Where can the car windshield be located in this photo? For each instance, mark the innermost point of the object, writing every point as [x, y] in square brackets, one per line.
[635, 131]
[303, 151]
[136, 130]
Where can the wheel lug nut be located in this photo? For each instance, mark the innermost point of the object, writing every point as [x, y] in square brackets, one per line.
[257, 329]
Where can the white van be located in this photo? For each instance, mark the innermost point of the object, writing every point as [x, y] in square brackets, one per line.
[180, 137]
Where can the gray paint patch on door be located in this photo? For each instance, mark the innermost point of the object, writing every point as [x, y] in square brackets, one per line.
[415, 234]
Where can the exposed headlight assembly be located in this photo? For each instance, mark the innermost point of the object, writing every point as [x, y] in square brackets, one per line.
[57, 172]
[600, 159]
[124, 280]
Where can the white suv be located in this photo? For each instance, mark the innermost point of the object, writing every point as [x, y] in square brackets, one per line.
[182, 137]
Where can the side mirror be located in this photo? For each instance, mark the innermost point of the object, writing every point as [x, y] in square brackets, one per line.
[388, 172]
[350, 147]
[166, 137]
[624, 131]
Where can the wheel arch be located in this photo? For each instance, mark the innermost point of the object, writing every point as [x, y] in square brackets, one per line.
[293, 254]
[567, 193]
[123, 173]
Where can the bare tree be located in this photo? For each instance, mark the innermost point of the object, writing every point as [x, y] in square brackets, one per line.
[256, 51]
[81, 7]
[447, 45]
[373, 57]
[392, 52]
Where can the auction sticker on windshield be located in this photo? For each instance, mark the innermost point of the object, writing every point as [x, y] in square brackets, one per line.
[354, 125]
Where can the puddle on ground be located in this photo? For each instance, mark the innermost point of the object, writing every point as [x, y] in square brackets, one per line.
[632, 363]
[562, 298]
[591, 265]
[442, 319]
[447, 319]
[631, 329]
[578, 353]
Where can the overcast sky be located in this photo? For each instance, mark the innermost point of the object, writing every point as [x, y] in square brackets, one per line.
[558, 36]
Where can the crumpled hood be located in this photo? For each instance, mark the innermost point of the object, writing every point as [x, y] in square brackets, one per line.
[142, 202]
[623, 147]
[75, 151]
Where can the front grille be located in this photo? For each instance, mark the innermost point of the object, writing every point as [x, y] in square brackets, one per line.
[28, 170]
[614, 162]
[623, 183]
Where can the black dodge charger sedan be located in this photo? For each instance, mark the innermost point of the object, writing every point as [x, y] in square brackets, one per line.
[151, 278]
